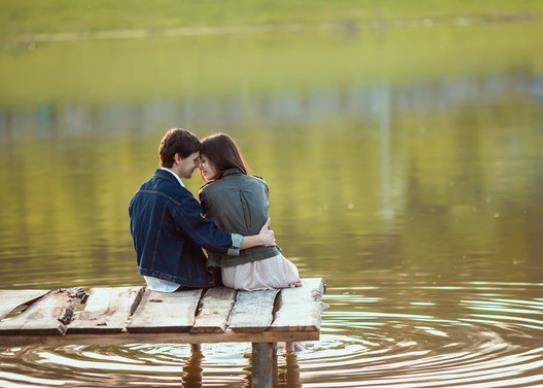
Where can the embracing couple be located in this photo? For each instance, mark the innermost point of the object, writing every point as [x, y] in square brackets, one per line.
[171, 229]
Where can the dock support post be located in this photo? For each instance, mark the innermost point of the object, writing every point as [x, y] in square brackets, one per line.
[264, 364]
[195, 348]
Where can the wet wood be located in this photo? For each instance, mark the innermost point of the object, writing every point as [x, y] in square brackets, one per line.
[106, 339]
[253, 311]
[107, 310]
[161, 312]
[216, 306]
[11, 299]
[262, 364]
[300, 307]
[151, 317]
[42, 317]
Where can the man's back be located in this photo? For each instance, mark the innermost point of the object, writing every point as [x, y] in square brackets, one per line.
[165, 221]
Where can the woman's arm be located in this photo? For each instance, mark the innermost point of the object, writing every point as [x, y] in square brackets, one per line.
[265, 237]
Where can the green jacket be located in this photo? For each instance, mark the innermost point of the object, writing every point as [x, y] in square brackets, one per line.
[237, 203]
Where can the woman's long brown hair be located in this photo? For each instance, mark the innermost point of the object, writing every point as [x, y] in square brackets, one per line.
[223, 152]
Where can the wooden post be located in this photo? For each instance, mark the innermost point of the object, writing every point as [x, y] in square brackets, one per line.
[264, 357]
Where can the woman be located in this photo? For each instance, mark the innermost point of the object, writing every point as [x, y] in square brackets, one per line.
[238, 203]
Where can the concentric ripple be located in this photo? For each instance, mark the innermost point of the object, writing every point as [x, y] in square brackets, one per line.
[468, 335]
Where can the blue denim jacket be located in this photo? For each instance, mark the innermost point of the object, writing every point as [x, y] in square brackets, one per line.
[169, 232]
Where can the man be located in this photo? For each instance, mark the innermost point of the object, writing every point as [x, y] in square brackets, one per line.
[167, 226]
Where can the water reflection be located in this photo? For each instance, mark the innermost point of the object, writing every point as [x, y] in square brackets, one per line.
[192, 370]
[363, 102]
[412, 186]
[387, 334]
[430, 173]
[289, 372]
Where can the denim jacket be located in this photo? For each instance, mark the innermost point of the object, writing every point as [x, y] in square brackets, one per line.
[169, 232]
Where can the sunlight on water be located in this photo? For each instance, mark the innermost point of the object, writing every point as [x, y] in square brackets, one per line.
[381, 344]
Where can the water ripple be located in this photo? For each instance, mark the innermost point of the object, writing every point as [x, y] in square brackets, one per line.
[384, 335]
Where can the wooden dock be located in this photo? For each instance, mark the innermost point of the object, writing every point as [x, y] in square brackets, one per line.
[122, 315]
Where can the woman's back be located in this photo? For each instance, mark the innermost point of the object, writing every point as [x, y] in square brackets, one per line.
[237, 203]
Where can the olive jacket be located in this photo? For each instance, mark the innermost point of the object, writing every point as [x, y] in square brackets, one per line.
[237, 203]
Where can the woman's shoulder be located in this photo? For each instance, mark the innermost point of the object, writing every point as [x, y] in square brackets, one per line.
[234, 179]
[207, 188]
[258, 183]
[260, 180]
[229, 183]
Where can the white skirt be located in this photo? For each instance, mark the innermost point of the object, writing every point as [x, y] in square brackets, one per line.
[275, 272]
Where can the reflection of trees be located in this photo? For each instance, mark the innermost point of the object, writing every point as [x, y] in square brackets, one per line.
[297, 107]
[261, 64]
[418, 180]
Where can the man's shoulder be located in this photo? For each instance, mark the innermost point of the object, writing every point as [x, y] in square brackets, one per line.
[165, 188]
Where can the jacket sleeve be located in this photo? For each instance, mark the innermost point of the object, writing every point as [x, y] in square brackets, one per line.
[187, 215]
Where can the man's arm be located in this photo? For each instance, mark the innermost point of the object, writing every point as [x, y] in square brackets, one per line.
[265, 237]
[188, 217]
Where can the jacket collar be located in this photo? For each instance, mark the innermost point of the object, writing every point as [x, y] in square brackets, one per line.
[159, 173]
[231, 171]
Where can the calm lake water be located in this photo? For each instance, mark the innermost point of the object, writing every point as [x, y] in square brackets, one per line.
[405, 167]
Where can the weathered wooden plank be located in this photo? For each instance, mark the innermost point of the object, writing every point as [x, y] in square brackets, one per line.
[253, 311]
[216, 306]
[161, 312]
[47, 316]
[14, 298]
[300, 307]
[106, 339]
[107, 310]
[309, 294]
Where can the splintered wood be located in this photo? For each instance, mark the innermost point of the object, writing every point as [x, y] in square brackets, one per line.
[127, 314]
[107, 310]
[47, 316]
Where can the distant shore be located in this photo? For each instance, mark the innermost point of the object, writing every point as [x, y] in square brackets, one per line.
[126, 17]
[340, 25]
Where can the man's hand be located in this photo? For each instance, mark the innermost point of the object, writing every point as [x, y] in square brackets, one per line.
[265, 237]
[266, 234]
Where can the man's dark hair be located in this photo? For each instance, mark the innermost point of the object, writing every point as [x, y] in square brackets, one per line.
[177, 141]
